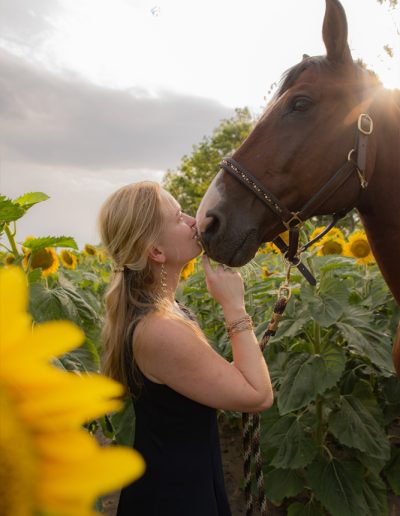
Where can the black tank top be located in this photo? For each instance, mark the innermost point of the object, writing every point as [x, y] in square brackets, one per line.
[178, 439]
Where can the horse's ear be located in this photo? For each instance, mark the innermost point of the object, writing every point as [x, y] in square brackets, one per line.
[334, 32]
[305, 56]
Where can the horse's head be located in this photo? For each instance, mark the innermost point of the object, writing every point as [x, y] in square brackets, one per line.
[302, 138]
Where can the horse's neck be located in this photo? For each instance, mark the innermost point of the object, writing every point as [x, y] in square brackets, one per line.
[380, 206]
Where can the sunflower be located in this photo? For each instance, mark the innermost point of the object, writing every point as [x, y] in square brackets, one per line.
[49, 464]
[267, 247]
[90, 250]
[265, 272]
[68, 259]
[45, 259]
[358, 247]
[270, 247]
[328, 245]
[188, 269]
[332, 234]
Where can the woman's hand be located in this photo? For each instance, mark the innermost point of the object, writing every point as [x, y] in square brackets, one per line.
[226, 287]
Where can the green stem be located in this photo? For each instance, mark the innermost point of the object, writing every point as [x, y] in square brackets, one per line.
[318, 414]
[317, 338]
[328, 451]
[11, 240]
[6, 248]
[318, 400]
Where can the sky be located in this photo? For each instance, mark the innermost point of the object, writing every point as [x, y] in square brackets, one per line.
[95, 94]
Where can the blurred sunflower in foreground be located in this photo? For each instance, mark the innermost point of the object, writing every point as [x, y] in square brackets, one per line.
[48, 463]
[358, 247]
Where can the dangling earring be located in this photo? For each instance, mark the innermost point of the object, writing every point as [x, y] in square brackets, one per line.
[163, 277]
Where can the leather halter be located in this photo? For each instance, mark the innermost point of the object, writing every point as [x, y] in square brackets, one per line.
[293, 220]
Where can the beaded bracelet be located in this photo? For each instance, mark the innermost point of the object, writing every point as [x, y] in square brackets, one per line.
[245, 323]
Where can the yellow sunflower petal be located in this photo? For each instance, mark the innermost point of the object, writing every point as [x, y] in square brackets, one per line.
[358, 247]
[74, 478]
[15, 322]
[54, 338]
[75, 399]
[18, 464]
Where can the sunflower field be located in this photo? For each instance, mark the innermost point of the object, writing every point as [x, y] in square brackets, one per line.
[330, 443]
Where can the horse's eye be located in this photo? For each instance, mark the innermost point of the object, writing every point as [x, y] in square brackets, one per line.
[301, 104]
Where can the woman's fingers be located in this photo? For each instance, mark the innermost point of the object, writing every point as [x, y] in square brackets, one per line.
[206, 264]
[220, 269]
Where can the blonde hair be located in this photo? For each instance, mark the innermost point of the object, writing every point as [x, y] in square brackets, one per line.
[130, 223]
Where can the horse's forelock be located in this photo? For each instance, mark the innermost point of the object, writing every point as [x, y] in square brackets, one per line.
[291, 75]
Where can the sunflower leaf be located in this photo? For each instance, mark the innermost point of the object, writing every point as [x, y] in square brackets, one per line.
[308, 375]
[375, 495]
[36, 244]
[122, 422]
[292, 439]
[364, 340]
[312, 508]
[337, 485]
[354, 426]
[282, 483]
[29, 199]
[9, 211]
[392, 471]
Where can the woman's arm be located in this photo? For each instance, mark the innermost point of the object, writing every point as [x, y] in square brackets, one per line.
[168, 351]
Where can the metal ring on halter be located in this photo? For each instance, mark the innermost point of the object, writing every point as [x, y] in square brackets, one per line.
[349, 155]
[361, 176]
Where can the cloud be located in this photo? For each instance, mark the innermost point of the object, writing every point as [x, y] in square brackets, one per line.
[58, 120]
[76, 195]
[25, 24]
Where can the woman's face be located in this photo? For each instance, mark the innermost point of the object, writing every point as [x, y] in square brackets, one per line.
[179, 239]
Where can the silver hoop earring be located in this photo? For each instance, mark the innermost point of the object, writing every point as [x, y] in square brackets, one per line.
[163, 277]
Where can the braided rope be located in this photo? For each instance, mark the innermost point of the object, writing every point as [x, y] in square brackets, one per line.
[247, 440]
[252, 427]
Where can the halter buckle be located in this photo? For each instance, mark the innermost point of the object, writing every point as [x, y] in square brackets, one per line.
[364, 118]
[285, 291]
[297, 221]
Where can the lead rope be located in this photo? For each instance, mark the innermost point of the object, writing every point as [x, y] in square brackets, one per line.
[251, 421]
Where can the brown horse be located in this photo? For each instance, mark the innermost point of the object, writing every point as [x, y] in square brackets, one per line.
[305, 135]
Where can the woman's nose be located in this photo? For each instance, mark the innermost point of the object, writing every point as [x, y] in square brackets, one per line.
[191, 221]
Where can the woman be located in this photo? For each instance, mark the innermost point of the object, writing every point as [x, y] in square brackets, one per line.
[155, 348]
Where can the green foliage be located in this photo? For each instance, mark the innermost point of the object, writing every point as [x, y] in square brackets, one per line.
[29, 199]
[9, 210]
[36, 244]
[329, 441]
[189, 183]
[14, 210]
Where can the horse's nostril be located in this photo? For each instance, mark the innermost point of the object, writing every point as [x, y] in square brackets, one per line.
[214, 224]
[212, 227]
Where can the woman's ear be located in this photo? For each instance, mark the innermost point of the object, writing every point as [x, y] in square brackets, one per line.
[156, 254]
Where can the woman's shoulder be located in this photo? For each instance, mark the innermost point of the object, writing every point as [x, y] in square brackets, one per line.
[161, 326]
